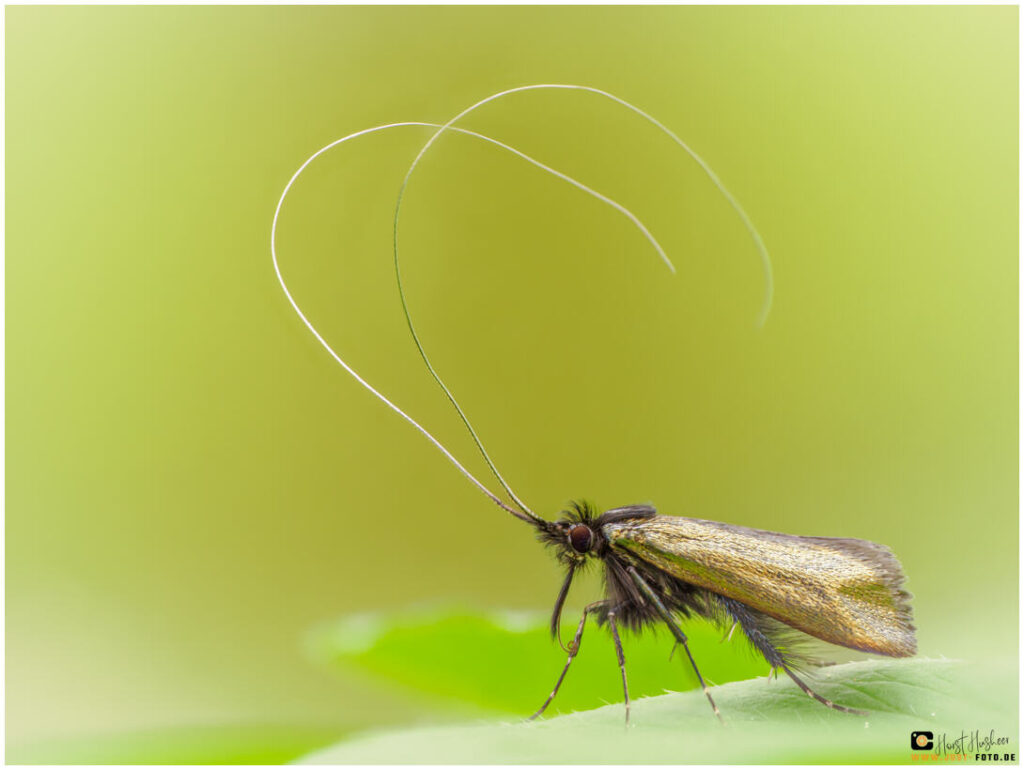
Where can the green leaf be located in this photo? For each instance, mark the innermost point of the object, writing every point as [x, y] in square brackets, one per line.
[766, 721]
[507, 662]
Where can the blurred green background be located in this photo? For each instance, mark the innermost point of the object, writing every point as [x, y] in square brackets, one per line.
[192, 484]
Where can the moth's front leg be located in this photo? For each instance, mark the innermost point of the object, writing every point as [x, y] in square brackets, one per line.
[574, 648]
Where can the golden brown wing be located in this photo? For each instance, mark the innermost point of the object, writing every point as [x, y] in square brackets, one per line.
[840, 590]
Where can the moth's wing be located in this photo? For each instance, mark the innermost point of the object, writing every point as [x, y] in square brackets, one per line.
[775, 640]
[844, 591]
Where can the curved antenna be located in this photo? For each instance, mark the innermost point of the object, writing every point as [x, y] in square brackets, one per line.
[755, 235]
[525, 515]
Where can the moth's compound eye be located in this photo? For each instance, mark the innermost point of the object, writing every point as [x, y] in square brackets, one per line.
[581, 538]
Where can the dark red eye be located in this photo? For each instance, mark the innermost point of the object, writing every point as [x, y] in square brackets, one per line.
[581, 538]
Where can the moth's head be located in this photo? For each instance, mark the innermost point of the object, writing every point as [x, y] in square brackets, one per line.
[574, 536]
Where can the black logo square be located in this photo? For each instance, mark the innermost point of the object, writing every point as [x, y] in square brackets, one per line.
[922, 740]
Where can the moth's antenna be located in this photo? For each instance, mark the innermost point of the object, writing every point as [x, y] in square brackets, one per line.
[758, 242]
[525, 515]
[762, 250]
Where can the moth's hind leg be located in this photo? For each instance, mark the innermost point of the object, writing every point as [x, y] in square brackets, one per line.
[753, 624]
[820, 698]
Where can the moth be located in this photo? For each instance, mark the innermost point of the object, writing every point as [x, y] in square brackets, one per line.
[661, 570]
[658, 569]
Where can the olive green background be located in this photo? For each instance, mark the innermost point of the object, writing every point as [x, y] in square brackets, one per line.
[192, 483]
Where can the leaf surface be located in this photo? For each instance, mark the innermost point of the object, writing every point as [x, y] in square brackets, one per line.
[766, 721]
[507, 662]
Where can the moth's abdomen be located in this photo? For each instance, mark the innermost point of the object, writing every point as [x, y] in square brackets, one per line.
[843, 591]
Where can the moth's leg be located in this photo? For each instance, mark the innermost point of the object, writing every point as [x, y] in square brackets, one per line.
[621, 657]
[821, 699]
[574, 648]
[775, 657]
[677, 632]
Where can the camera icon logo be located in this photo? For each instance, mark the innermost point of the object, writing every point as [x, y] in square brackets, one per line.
[922, 740]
